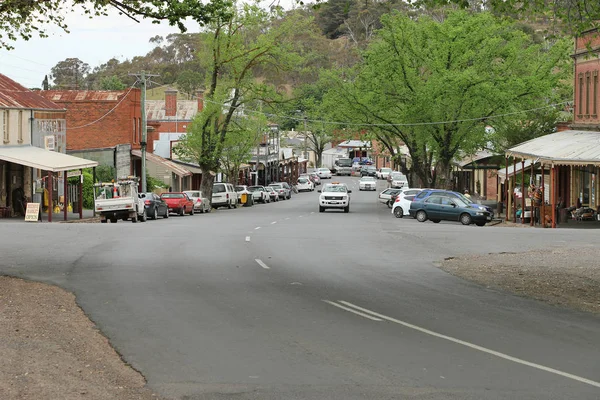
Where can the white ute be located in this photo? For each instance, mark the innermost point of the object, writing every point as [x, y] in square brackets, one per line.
[119, 200]
[334, 195]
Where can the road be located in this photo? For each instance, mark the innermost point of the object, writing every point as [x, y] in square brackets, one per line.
[279, 301]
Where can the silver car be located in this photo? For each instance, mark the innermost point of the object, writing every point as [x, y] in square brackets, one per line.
[201, 204]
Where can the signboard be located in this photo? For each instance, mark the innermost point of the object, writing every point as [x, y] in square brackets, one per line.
[73, 173]
[32, 213]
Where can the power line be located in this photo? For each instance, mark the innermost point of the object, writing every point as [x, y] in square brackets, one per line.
[395, 125]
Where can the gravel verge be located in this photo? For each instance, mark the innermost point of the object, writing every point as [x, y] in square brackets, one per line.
[565, 277]
[51, 350]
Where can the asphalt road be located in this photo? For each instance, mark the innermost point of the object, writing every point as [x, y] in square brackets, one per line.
[279, 301]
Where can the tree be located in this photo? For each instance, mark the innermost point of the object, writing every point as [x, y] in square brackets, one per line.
[243, 136]
[111, 83]
[570, 16]
[22, 19]
[189, 82]
[69, 74]
[233, 47]
[432, 84]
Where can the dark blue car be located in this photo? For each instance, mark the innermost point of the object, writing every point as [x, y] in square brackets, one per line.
[438, 206]
[449, 193]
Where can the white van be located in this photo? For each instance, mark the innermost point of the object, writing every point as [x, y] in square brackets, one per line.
[224, 194]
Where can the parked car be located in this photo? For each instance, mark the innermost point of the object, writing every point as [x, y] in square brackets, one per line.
[368, 170]
[273, 194]
[178, 203]
[401, 204]
[305, 184]
[449, 193]
[260, 194]
[155, 206]
[335, 195]
[385, 197]
[367, 183]
[437, 207]
[398, 180]
[240, 190]
[383, 173]
[201, 204]
[315, 178]
[224, 194]
[324, 173]
[283, 188]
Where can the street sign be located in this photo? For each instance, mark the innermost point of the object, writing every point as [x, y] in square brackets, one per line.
[32, 212]
[73, 173]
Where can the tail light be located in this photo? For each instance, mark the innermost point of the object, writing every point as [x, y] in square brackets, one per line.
[198, 201]
[147, 202]
[227, 196]
[397, 200]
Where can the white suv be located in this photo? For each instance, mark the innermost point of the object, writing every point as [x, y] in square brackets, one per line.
[224, 194]
[335, 195]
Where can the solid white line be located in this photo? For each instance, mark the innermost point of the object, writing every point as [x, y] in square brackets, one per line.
[351, 310]
[476, 347]
[257, 228]
[262, 264]
[273, 223]
[247, 238]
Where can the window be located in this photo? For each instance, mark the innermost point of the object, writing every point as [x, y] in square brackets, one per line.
[133, 132]
[434, 200]
[595, 98]
[580, 94]
[20, 127]
[587, 94]
[5, 127]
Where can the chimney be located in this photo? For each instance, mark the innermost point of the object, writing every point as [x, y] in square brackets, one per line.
[200, 100]
[170, 102]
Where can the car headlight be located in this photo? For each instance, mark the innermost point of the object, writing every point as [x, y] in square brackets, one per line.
[480, 213]
[482, 208]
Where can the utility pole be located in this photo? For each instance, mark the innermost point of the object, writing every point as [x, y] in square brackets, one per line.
[142, 79]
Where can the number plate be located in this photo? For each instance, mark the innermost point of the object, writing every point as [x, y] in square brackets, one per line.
[333, 202]
[489, 218]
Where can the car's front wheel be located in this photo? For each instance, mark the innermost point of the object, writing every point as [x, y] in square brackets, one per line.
[155, 215]
[466, 219]
[321, 209]
[421, 216]
[347, 209]
[398, 212]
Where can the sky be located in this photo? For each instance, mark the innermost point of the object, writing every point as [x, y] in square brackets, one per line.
[93, 41]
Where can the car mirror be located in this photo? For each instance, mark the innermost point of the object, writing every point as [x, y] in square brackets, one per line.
[349, 191]
[453, 205]
[319, 191]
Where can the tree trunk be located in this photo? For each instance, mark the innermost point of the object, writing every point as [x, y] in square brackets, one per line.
[443, 175]
[319, 159]
[206, 183]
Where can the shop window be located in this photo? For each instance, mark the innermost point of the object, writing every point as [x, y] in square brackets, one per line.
[20, 127]
[5, 127]
[584, 187]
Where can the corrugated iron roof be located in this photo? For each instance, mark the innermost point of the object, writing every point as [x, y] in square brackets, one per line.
[186, 110]
[561, 148]
[82, 95]
[170, 165]
[15, 95]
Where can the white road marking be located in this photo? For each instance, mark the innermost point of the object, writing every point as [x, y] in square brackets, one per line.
[262, 264]
[247, 238]
[312, 212]
[299, 216]
[476, 347]
[273, 223]
[257, 228]
[351, 310]
[287, 218]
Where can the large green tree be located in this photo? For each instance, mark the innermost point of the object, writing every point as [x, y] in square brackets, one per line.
[431, 84]
[23, 19]
[69, 74]
[233, 47]
[243, 137]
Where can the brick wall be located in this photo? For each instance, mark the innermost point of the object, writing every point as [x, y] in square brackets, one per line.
[90, 122]
[591, 38]
[587, 83]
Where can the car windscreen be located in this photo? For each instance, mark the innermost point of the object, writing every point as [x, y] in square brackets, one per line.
[368, 179]
[255, 188]
[344, 162]
[218, 188]
[302, 180]
[172, 196]
[386, 169]
[239, 188]
[338, 189]
[276, 185]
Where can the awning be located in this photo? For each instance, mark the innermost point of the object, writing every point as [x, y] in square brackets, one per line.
[168, 164]
[43, 159]
[480, 155]
[354, 144]
[561, 148]
[194, 169]
[511, 170]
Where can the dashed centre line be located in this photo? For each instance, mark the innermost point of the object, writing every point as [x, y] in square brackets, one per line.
[247, 238]
[257, 228]
[273, 223]
[262, 264]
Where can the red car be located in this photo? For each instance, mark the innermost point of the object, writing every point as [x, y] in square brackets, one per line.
[178, 203]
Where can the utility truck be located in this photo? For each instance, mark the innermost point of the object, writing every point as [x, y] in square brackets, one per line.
[119, 200]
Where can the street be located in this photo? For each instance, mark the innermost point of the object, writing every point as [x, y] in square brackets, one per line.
[279, 301]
